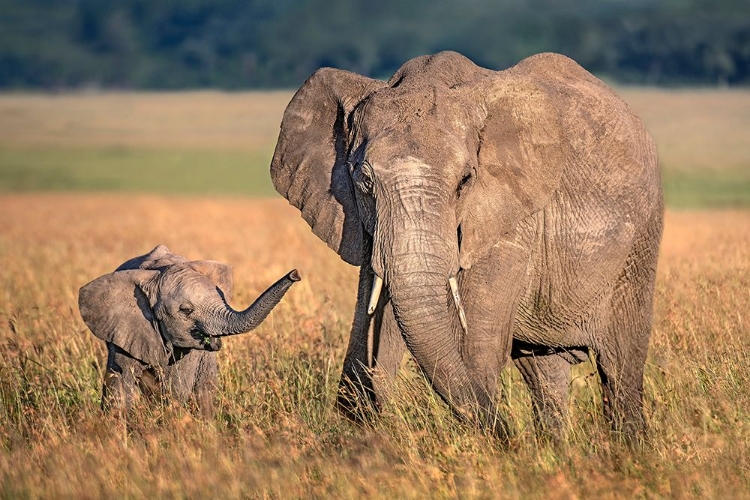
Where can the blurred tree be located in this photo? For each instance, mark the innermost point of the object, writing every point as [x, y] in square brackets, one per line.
[272, 43]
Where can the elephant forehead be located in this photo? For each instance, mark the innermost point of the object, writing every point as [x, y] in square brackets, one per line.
[429, 147]
[425, 124]
[184, 283]
[421, 105]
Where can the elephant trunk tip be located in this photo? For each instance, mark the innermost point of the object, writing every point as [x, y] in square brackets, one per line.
[235, 322]
[213, 344]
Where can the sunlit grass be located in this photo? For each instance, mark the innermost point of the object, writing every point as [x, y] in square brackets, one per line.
[277, 433]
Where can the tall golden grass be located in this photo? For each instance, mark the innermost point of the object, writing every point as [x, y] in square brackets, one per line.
[277, 434]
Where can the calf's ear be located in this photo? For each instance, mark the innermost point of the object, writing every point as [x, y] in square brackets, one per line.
[116, 308]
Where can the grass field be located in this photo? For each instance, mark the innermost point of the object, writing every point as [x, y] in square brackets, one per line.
[197, 143]
[277, 434]
[221, 143]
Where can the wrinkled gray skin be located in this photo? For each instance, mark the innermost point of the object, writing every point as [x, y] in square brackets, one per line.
[536, 187]
[163, 318]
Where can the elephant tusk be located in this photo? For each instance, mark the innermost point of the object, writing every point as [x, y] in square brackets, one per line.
[457, 299]
[377, 285]
[370, 346]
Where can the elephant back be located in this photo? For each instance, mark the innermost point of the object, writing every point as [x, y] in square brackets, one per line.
[157, 259]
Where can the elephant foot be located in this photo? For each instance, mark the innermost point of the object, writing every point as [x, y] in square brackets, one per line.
[496, 426]
[356, 400]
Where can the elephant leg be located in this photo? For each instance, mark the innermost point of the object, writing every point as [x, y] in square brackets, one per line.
[121, 380]
[388, 352]
[356, 392]
[622, 392]
[376, 349]
[548, 379]
[620, 359]
[491, 290]
[622, 349]
[206, 382]
[192, 377]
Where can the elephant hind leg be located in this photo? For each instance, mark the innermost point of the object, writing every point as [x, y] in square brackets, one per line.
[620, 360]
[548, 378]
[622, 393]
[621, 353]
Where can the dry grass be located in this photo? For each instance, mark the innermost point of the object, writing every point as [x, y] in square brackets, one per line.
[277, 434]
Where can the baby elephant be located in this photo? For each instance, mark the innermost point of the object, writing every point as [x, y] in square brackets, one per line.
[163, 318]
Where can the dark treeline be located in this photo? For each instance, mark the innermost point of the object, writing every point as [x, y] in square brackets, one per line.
[168, 44]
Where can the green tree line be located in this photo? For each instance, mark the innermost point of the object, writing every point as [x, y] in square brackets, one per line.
[170, 44]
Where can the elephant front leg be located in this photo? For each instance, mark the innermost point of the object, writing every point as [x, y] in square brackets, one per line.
[121, 380]
[356, 393]
[388, 352]
[491, 290]
[374, 355]
[548, 379]
[206, 383]
[192, 379]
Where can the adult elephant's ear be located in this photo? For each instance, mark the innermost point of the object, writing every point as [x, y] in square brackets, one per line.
[116, 309]
[218, 272]
[522, 154]
[309, 164]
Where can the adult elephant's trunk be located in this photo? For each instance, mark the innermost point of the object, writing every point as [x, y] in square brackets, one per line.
[416, 253]
[227, 321]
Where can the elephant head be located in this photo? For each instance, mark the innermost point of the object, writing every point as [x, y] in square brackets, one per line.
[160, 301]
[417, 178]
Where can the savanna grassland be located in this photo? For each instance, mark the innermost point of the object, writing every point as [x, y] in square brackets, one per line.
[88, 181]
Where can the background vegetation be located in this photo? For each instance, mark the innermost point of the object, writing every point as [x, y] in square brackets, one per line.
[217, 143]
[277, 434]
[91, 178]
[230, 44]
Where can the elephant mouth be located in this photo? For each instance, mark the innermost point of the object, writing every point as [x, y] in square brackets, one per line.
[212, 343]
[377, 286]
[206, 341]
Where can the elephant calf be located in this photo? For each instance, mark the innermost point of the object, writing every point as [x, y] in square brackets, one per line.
[163, 318]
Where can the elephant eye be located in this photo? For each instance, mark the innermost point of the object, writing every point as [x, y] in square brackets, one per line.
[362, 176]
[186, 308]
[465, 180]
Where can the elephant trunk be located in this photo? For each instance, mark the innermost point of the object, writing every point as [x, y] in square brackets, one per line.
[418, 261]
[420, 304]
[230, 322]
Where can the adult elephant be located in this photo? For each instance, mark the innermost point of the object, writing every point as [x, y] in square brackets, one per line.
[512, 214]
